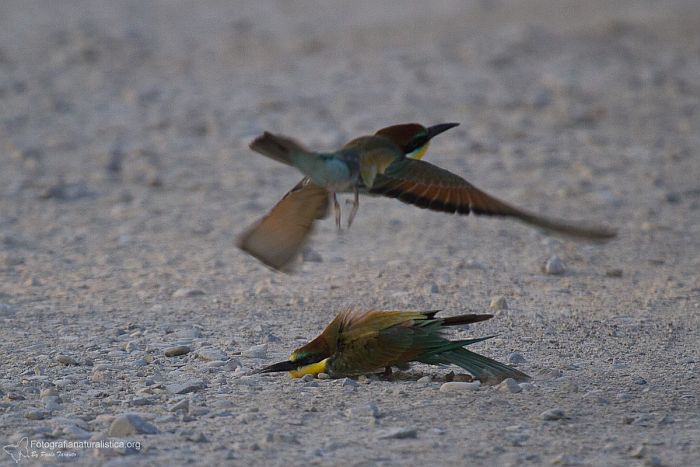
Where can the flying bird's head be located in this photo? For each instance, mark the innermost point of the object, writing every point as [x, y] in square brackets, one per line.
[413, 138]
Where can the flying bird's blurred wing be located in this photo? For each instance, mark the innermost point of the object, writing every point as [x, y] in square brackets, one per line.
[279, 236]
[427, 186]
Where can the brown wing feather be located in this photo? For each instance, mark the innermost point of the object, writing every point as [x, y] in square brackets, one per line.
[427, 186]
[279, 236]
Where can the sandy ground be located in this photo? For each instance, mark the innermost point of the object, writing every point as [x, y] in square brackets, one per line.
[125, 177]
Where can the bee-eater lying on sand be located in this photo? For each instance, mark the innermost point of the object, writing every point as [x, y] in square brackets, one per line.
[357, 343]
[280, 235]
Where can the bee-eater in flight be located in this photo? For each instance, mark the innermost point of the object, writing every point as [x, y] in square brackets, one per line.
[384, 164]
[278, 237]
[357, 343]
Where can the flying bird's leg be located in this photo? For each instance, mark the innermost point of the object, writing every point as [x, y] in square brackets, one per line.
[355, 204]
[336, 209]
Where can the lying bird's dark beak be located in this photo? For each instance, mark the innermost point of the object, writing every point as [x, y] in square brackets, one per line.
[281, 366]
[435, 130]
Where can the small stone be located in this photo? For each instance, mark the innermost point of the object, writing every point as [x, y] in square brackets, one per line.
[554, 266]
[32, 282]
[434, 288]
[181, 406]
[459, 386]
[366, 410]
[398, 433]
[52, 403]
[66, 360]
[613, 272]
[34, 415]
[553, 414]
[132, 346]
[425, 379]
[498, 303]
[348, 382]
[48, 392]
[307, 378]
[639, 452]
[187, 293]
[6, 309]
[311, 256]
[210, 354]
[509, 385]
[177, 350]
[515, 358]
[323, 376]
[256, 351]
[550, 373]
[187, 387]
[130, 424]
[463, 378]
[216, 364]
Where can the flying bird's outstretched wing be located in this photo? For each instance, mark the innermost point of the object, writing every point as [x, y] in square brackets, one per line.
[430, 187]
[277, 238]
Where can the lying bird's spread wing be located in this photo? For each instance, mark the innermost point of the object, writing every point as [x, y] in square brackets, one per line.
[427, 186]
[279, 236]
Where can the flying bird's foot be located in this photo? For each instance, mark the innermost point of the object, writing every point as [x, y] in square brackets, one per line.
[336, 209]
[355, 205]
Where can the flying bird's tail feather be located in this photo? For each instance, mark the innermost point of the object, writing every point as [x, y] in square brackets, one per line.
[276, 147]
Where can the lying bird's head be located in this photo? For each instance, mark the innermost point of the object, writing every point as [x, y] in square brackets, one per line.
[311, 359]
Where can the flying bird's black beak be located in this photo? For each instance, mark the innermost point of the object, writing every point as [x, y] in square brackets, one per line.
[281, 366]
[435, 130]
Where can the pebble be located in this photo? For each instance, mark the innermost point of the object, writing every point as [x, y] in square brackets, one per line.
[323, 376]
[499, 303]
[181, 406]
[613, 272]
[217, 364]
[348, 382]
[187, 293]
[509, 385]
[34, 415]
[52, 403]
[460, 377]
[66, 360]
[307, 378]
[460, 386]
[48, 392]
[177, 350]
[639, 452]
[130, 424]
[516, 358]
[186, 387]
[311, 256]
[434, 288]
[363, 410]
[553, 414]
[554, 266]
[398, 433]
[256, 351]
[6, 309]
[425, 379]
[210, 354]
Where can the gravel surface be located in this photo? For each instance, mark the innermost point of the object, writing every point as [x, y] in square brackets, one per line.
[126, 312]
